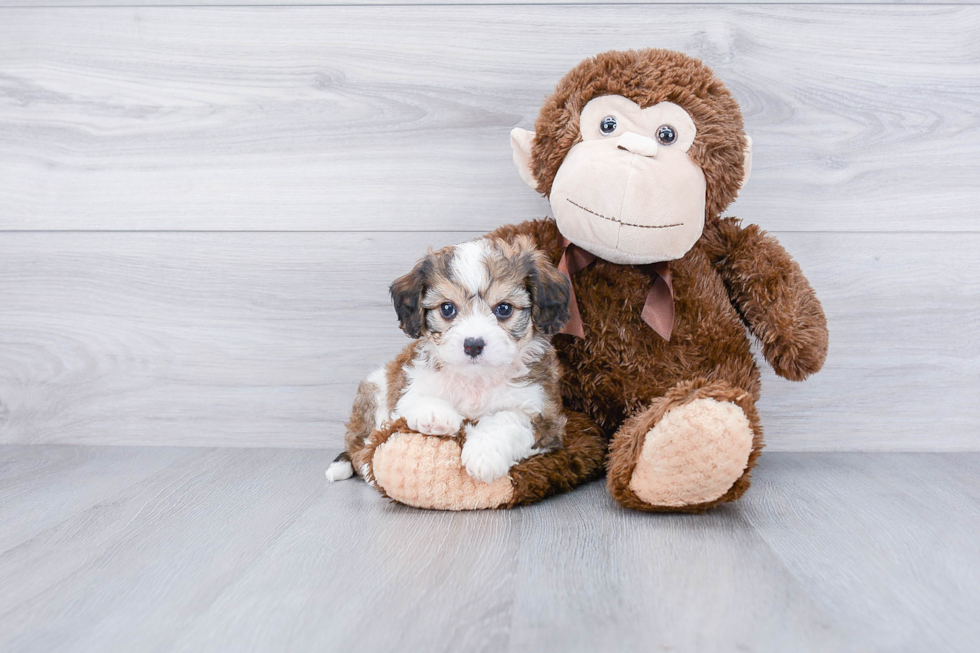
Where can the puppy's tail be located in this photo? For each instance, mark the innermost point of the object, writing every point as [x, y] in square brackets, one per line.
[340, 469]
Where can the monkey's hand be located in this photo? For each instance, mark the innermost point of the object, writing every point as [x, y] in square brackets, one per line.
[773, 297]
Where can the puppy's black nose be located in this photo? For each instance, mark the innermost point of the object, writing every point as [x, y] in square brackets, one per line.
[473, 346]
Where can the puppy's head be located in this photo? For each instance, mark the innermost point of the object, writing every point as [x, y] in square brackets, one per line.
[482, 302]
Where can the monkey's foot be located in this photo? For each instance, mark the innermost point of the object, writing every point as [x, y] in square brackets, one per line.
[688, 451]
[427, 472]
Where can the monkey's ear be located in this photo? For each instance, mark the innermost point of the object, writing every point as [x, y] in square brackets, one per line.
[520, 143]
[748, 161]
[550, 290]
[406, 295]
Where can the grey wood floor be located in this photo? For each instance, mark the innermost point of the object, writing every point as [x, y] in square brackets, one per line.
[197, 549]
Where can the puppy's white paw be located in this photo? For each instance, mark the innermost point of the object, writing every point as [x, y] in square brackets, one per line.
[433, 418]
[485, 460]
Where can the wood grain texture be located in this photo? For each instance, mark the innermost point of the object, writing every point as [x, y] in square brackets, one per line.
[644, 592]
[885, 547]
[41, 487]
[251, 339]
[250, 550]
[78, 578]
[397, 118]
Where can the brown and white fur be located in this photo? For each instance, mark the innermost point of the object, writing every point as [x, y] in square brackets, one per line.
[481, 367]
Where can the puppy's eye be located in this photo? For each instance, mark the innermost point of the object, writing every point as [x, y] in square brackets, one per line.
[447, 310]
[503, 311]
[608, 125]
[666, 134]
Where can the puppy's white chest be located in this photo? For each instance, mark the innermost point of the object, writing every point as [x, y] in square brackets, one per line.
[475, 402]
[476, 397]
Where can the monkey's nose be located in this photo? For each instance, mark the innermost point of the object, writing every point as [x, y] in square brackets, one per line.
[473, 346]
[642, 145]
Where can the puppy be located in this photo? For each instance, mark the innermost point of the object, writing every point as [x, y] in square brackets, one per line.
[481, 366]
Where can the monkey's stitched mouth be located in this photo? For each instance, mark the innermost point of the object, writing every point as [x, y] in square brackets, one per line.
[628, 224]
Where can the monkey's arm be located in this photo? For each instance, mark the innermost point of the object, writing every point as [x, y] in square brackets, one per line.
[773, 297]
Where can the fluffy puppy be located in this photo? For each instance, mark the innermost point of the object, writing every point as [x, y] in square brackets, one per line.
[481, 366]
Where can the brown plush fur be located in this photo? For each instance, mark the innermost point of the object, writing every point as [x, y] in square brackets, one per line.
[622, 368]
[773, 296]
[622, 374]
[577, 462]
[622, 377]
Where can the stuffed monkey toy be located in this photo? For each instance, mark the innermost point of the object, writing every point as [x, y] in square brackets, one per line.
[639, 153]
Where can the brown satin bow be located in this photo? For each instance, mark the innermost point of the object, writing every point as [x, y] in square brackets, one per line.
[658, 309]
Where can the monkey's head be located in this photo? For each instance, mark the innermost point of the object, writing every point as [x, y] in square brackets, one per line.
[635, 150]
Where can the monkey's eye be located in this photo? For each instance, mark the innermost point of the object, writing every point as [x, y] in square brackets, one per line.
[608, 125]
[666, 134]
[447, 310]
[503, 311]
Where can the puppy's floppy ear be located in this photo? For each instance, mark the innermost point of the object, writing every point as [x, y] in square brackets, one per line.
[549, 290]
[406, 295]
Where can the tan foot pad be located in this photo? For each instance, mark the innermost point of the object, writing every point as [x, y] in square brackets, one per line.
[693, 455]
[426, 472]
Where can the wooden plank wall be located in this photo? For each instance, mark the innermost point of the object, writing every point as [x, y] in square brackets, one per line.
[201, 207]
